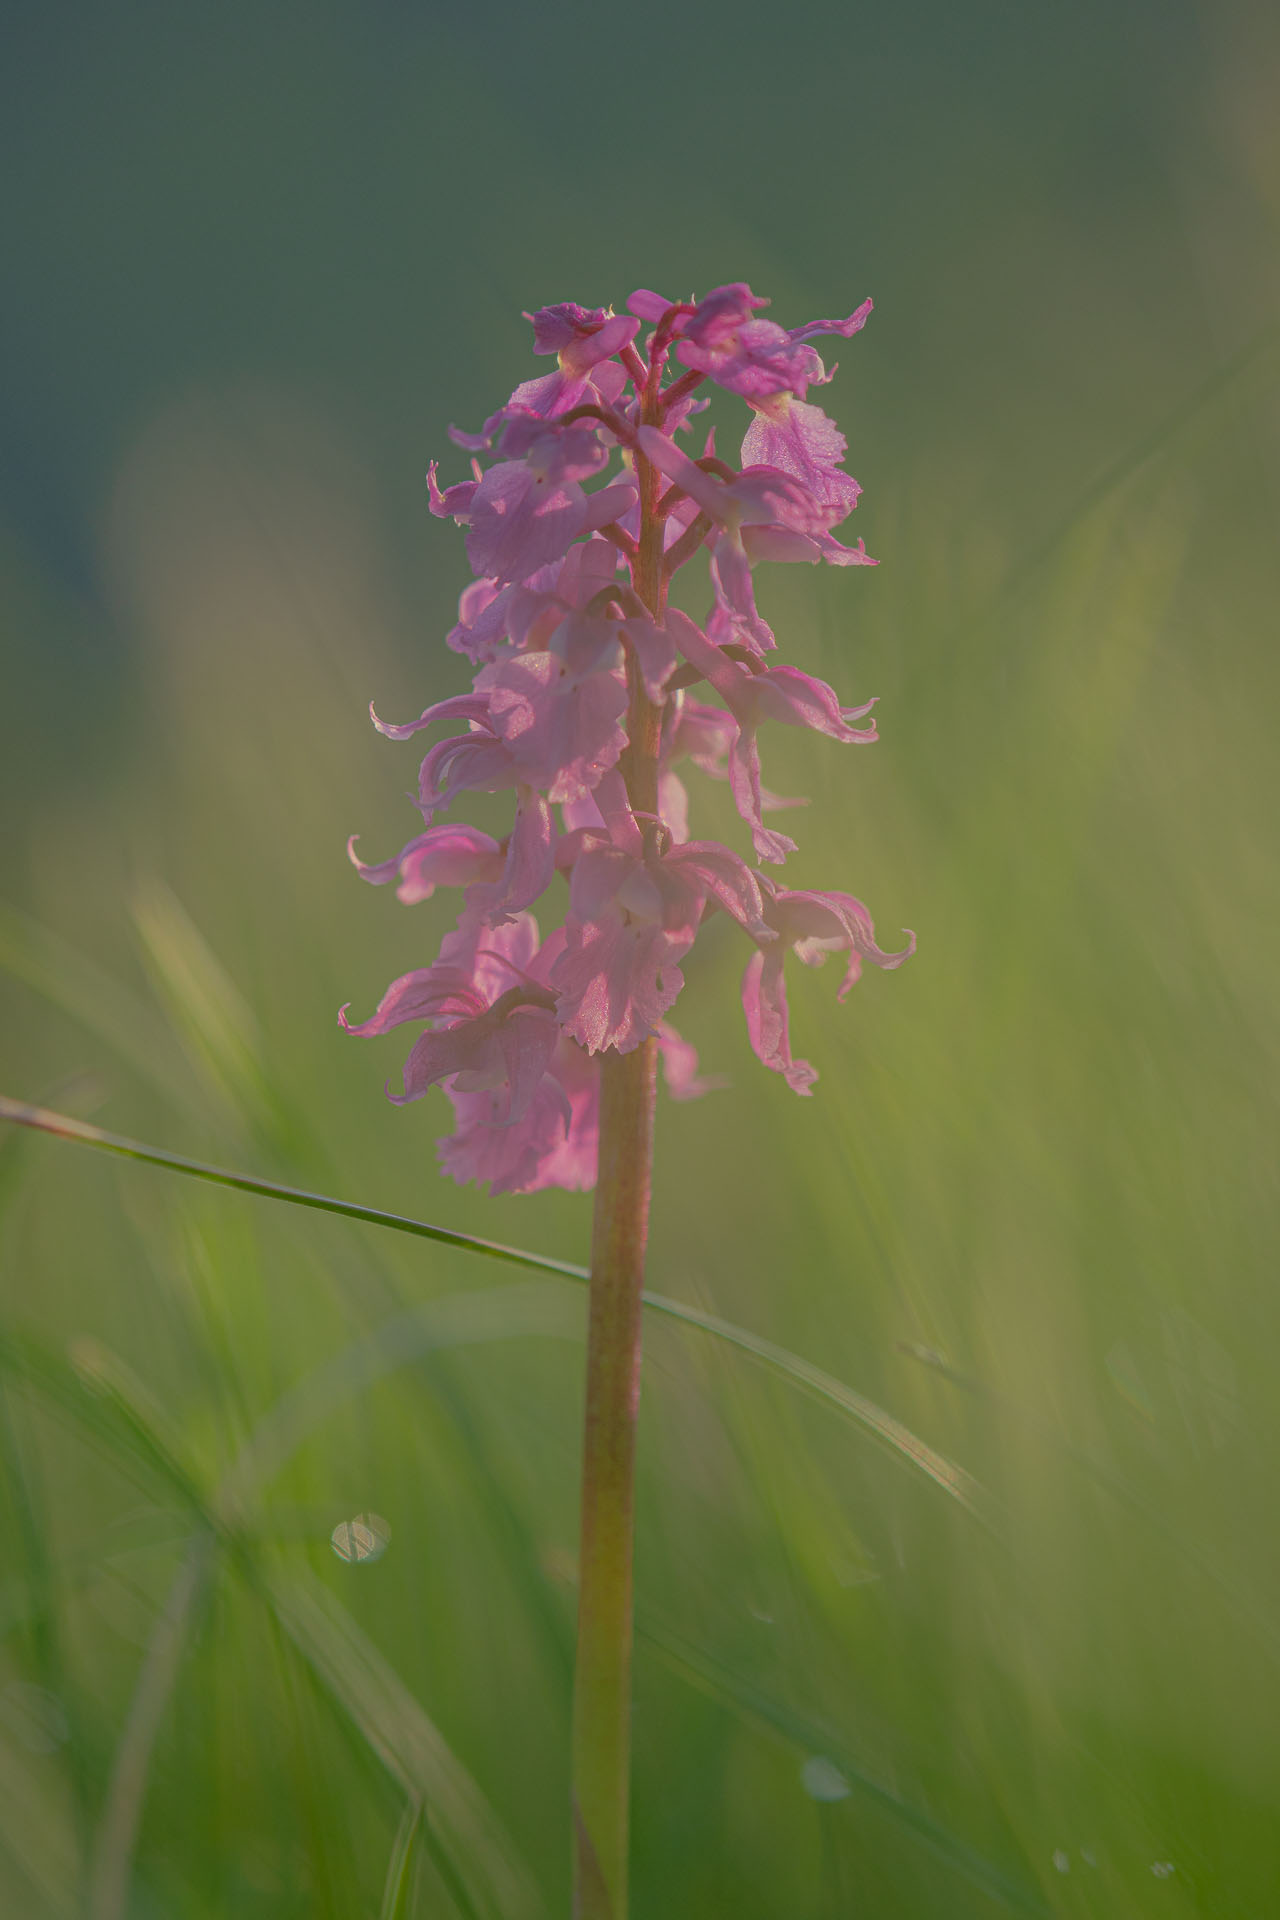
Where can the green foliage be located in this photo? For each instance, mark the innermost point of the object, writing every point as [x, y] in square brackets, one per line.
[957, 1571]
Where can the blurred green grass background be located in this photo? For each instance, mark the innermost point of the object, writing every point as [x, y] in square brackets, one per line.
[256, 261]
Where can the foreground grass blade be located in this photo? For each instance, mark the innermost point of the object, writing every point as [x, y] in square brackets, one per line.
[464, 1839]
[898, 1440]
[1252, 1613]
[888, 1433]
[217, 1028]
[68, 979]
[103, 1401]
[398, 1892]
[408, 1744]
[750, 1703]
[526, 1308]
[117, 1835]
[85, 1135]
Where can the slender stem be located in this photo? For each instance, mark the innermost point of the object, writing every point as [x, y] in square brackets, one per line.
[602, 1681]
[602, 1687]
[687, 383]
[687, 545]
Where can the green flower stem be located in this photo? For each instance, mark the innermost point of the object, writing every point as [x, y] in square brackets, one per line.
[601, 1759]
[602, 1688]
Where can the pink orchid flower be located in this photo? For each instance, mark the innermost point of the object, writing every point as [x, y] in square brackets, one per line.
[810, 925]
[579, 509]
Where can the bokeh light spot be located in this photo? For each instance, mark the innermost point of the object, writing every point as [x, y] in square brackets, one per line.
[365, 1538]
[823, 1780]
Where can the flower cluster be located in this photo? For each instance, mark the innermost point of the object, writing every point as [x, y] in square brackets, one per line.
[586, 701]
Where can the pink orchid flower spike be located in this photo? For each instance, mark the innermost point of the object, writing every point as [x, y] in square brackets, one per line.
[573, 644]
[591, 700]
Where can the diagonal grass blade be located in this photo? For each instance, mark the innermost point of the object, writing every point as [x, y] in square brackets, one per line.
[888, 1433]
[85, 1135]
[752, 1703]
[101, 1398]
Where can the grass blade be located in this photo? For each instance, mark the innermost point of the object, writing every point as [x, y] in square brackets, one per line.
[104, 1401]
[906, 1447]
[882, 1427]
[85, 1135]
[749, 1702]
[117, 1834]
[216, 1026]
[408, 1744]
[526, 1308]
[1248, 1608]
[401, 1867]
[66, 978]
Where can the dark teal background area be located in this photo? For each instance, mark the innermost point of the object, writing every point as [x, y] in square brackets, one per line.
[358, 201]
[255, 260]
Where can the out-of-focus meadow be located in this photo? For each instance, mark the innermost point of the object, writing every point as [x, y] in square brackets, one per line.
[256, 260]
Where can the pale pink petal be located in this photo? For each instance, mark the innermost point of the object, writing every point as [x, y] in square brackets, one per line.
[680, 1067]
[550, 394]
[673, 804]
[585, 569]
[507, 1158]
[508, 953]
[526, 1041]
[583, 813]
[483, 610]
[530, 860]
[587, 643]
[598, 873]
[783, 545]
[725, 675]
[613, 805]
[478, 442]
[736, 596]
[448, 856]
[616, 980]
[711, 494]
[764, 1001]
[552, 451]
[561, 733]
[837, 555]
[572, 1162]
[717, 318]
[607, 505]
[798, 700]
[455, 502]
[424, 994]
[581, 354]
[519, 523]
[437, 1054]
[748, 797]
[719, 872]
[805, 442]
[471, 762]
[855, 322]
[649, 306]
[705, 733]
[757, 359]
[460, 706]
[655, 653]
[555, 328]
